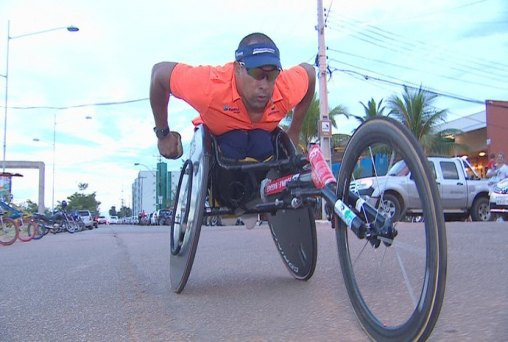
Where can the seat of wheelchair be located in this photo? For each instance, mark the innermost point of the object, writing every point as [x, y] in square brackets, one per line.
[236, 182]
[282, 147]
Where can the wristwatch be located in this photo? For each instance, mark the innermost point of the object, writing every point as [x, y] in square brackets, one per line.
[161, 132]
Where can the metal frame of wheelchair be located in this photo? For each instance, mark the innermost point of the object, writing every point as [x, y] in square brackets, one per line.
[233, 188]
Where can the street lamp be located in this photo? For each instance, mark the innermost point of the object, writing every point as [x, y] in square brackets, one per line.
[6, 76]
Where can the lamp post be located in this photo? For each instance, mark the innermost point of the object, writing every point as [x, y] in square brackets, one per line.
[6, 75]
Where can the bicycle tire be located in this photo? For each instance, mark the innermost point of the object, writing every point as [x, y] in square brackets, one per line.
[9, 231]
[393, 301]
[26, 230]
[186, 228]
[40, 230]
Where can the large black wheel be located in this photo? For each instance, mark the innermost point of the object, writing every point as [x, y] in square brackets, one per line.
[294, 234]
[396, 287]
[188, 210]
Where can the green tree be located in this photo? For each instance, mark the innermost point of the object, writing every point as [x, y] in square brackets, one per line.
[415, 109]
[125, 212]
[81, 201]
[82, 186]
[112, 211]
[310, 129]
[371, 109]
[29, 207]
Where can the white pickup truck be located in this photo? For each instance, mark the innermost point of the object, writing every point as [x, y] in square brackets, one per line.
[463, 193]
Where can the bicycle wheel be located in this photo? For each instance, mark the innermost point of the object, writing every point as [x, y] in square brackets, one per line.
[39, 229]
[396, 287]
[8, 231]
[26, 230]
[188, 210]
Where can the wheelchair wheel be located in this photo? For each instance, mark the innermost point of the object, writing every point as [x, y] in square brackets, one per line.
[294, 234]
[396, 289]
[188, 211]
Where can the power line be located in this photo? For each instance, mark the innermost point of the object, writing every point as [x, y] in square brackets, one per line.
[376, 36]
[97, 104]
[402, 83]
[409, 68]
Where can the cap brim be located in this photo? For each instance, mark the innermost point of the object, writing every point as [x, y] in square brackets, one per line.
[259, 60]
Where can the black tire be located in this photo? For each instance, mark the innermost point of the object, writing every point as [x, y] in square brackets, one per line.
[188, 210]
[396, 289]
[40, 229]
[480, 210]
[9, 231]
[294, 234]
[391, 206]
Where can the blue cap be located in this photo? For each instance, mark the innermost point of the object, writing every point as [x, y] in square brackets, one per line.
[256, 55]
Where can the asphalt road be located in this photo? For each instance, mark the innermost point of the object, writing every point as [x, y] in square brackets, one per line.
[112, 284]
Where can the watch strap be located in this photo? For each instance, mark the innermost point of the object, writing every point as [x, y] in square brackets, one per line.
[161, 132]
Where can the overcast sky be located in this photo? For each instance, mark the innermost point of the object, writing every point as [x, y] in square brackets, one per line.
[457, 48]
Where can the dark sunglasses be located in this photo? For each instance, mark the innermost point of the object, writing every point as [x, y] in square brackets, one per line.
[270, 73]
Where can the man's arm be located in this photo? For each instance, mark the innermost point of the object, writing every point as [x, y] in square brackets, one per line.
[301, 108]
[170, 146]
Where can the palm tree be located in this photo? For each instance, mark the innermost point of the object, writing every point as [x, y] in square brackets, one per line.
[415, 109]
[371, 110]
[310, 130]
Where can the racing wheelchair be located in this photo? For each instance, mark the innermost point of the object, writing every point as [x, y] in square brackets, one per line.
[394, 271]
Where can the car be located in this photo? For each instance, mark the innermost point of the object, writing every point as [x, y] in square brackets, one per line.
[163, 217]
[87, 218]
[113, 220]
[153, 218]
[462, 192]
[102, 220]
[498, 200]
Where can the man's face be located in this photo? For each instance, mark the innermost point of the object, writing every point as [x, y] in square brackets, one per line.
[255, 85]
[500, 159]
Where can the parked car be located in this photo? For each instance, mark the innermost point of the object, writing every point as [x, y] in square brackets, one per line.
[163, 217]
[499, 199]
[462, 192]
[102, 220]
[153, 218]
[113, 220]
[87, 218]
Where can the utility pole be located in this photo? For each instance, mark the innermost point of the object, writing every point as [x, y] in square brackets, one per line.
[324, 124]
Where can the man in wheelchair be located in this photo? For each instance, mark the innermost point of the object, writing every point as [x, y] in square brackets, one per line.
[241, 103]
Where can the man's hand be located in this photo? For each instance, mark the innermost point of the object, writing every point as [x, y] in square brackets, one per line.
[170, 146]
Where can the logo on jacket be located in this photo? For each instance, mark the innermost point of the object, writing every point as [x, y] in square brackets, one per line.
[227, 108]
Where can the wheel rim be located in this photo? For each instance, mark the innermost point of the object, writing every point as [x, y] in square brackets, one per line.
[394, 288]
[182, 208]
[189, 208]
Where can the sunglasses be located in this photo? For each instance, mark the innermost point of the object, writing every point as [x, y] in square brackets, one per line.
[260, 73]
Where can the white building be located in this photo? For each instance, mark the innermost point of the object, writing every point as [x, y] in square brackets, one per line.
[143, 193]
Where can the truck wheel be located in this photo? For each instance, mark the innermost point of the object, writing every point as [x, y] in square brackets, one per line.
[480, 211]
[392, 207]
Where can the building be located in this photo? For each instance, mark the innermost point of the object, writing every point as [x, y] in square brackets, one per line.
[483, 133]
[153, 190]
[144, 193]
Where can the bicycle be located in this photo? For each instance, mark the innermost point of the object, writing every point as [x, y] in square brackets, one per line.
[9, 230]
[394, 272]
